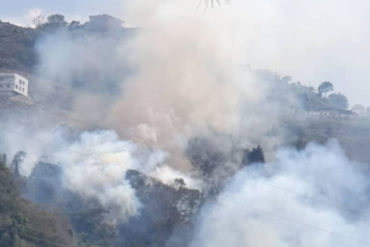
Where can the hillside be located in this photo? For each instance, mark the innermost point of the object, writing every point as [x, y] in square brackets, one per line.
[114, 129]
[353, 134]
[17, 47]
[22, 223]
[18, 51]
[164, 209]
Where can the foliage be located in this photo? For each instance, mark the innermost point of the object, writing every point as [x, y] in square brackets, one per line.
[324, 88]
[56, 18]
[22, 223]
[54, 23]
[17, 161]
[17, 47]
[255, 156]
[338, 101]
[213, 2]
[180, 183]
[164, 207]
[38, 20]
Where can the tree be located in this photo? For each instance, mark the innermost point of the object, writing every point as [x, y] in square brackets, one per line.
[74, 25]
[17, 161]
[286, 79]
[56, 18]
[254, 156]
[324, 88]
[338, 101]
[38, 20]
[2, 159]
[180, 183]
[54, 22]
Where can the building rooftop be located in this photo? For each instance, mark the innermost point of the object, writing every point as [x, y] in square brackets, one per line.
[104, 21]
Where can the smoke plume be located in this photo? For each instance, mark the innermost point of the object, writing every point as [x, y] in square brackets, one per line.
[95, 165]
[164, 85]
[314, 197]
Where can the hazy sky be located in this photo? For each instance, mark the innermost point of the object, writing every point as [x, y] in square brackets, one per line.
[313, 41]
[21, 10]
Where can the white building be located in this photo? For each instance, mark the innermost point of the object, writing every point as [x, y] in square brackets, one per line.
[13, 83]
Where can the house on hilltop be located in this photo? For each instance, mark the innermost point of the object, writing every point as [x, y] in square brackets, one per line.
[13, 84]
[104, 22]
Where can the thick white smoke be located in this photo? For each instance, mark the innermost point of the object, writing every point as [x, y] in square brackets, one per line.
[37, 142]
[95, 167]
[94, 164]
[315, 197]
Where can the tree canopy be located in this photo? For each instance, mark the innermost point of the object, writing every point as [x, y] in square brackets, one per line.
[338, 101]
[56, 18]
[324, 88]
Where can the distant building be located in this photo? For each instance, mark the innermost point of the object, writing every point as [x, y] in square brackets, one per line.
[333, 112]
[104, 22]
[12, 83]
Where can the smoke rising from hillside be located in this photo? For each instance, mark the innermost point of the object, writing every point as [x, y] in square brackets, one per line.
[182, 77]
[17, 137]
[161, 86]
[94, 165]
[316, 197]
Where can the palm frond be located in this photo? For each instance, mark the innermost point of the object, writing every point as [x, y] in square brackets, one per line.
[212, 3]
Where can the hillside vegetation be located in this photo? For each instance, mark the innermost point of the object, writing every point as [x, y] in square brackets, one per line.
[17, 47]
[23, 224]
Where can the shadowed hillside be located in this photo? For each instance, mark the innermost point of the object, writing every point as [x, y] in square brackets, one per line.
[17, 47]
[25, 224]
